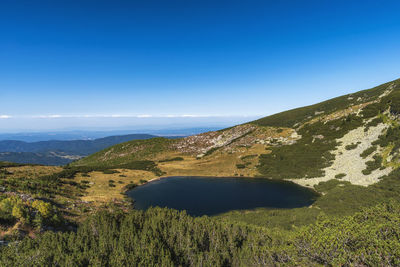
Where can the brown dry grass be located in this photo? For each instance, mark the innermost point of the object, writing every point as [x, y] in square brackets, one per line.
[100, 192]
[217, 164]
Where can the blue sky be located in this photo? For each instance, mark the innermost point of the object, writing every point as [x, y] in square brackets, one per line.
[66, 64]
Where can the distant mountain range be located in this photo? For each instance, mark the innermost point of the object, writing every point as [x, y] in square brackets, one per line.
[96, 134]
[56, 152]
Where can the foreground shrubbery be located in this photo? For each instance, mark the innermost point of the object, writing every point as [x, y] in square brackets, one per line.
[165, 237]
[44, 186]
[34, 213]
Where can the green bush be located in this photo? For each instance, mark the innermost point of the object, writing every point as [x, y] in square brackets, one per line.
[129, 187]
[110, 171]
[351, 146]
[368, 151]
[340, 175]
[240, 166]
[172, 159]
[373, 164]
[249, 157]
[14, 209]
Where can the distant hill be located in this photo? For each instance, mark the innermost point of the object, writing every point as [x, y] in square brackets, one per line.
[170, 130]
[59, 152]
[43, 158]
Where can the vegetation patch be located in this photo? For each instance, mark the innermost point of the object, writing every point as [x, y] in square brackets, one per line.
[45, 186]
[34, 213]
[373, 123]
[109, 171]
[4, 164]
[248, 157]
[129, 186]
[373, 164]
[145, 165]
[240, 166]
[340, 175]
[210, 151]
[352, 146]
[368, 151]
[172, 159]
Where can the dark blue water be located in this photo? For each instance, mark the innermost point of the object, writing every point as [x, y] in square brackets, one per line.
[211, 196]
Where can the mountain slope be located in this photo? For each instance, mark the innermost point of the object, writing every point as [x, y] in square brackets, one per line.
[299, 143]
[300, 115]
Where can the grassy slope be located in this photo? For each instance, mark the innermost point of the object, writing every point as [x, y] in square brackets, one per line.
[291, 117]
[127, 152]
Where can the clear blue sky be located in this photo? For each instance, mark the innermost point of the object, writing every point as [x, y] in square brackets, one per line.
[203, 58]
